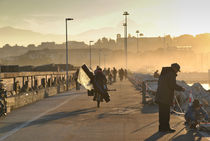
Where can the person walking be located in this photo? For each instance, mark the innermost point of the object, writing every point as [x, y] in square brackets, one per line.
[114, 72]
[165, 94]
[75, 79]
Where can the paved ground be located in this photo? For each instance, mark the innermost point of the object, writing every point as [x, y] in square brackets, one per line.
[73, 116]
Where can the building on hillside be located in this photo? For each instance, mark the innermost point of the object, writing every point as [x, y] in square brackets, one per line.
[144, 43]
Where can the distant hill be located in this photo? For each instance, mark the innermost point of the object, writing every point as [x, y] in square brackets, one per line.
[10, 35]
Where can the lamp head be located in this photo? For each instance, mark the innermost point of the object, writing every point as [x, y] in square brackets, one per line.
[69, 19]
[125, 13]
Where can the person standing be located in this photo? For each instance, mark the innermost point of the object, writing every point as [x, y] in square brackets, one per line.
[75, 79]
[165, 94]
[125, 73]
[121, 74]
[114, 72]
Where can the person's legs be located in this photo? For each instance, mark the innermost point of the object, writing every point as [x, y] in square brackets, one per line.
[164, 117]
[167, 112]
[161, 117]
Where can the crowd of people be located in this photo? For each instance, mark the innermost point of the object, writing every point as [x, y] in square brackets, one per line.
[111, 74]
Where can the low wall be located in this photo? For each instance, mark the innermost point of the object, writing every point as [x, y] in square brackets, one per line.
[33, 96]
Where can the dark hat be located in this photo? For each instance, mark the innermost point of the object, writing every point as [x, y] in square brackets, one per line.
[196, 103]
[176, 65]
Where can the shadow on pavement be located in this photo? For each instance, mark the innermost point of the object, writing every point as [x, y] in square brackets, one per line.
[46, 119]
[63, 95]
[189, 136]
[61, 115]
[156, 136]
[149, 108]
[137, 130]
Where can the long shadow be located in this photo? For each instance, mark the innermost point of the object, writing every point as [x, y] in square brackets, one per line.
[60, 115]
[63, 95]
[149, 108]
[189, 136]
[156, 136]
[46, 119]
[137, 130]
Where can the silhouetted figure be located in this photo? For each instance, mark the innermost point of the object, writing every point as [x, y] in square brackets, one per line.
[3, 96]
[195, 113]
[75, 79]
[25, 87]
[121, 74]
[156, 74]
[43, 82]
[101, 80]
[165, 94]
[97, 67]
[105, 72]
[110, 78]
[125, 74]
[17, 87]
[114, 72]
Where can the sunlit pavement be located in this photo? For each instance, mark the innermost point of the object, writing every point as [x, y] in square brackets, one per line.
[73, 116]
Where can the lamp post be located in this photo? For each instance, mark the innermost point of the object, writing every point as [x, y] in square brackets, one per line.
[67, 78]
[99, 56]
[90, 52]
[125, 38]
[141, 34]
[104, 60]
[137, 43]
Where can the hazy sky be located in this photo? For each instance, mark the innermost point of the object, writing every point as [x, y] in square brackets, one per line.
[152, 17]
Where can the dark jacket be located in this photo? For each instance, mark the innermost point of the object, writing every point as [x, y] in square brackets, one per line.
[166, 86]
[194, 115]
[100, 78]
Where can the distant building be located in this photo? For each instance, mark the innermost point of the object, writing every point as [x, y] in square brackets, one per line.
[144, 43]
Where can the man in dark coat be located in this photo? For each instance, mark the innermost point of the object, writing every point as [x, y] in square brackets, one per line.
[101, 80]
[165, 94]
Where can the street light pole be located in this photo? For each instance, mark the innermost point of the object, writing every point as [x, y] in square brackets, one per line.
[137, 34]
[90, 52]
[99, 55]
[67, 64]
[104, 60]
[125, 38]
[141, 34]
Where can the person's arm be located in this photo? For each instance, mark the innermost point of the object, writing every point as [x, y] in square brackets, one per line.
[172, 83]
[179, 88]
[204, 113]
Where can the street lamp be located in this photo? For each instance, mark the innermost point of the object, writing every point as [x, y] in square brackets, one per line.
[67, 78]
[90, 52]
[99, 56]
[137, 33]
[141, 34]
[125, 37]
[104, 60]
